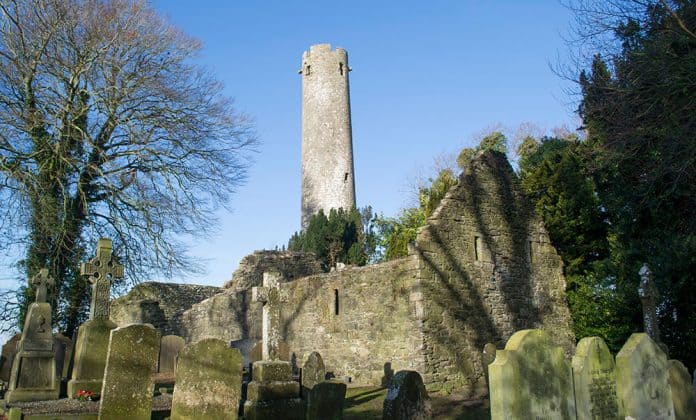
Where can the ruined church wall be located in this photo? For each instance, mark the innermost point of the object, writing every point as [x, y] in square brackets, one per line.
[375, 328]
[487, 269]
[159, 304]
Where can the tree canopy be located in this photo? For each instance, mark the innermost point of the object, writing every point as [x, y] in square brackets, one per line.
[108, 129]
[345, 236]
[639, 111]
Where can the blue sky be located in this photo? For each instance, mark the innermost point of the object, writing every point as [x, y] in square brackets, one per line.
[428, 77]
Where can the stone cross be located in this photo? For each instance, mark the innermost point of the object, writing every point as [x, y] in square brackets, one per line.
[271, 296]
[42, 281]
[649, 297]
[101, 270]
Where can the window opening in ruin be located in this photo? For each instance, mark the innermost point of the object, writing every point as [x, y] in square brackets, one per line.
[477, 244]
[335, 301]
[340, 68]
[531, 251]
[307, 70]
[345, 177]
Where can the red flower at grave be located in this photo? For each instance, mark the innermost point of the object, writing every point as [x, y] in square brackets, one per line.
[84, 395]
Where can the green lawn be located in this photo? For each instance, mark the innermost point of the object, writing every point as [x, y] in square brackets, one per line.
[366, 403]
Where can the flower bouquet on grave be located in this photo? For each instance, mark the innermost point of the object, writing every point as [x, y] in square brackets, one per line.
[84, 395]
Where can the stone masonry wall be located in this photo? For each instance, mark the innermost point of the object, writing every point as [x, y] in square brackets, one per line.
[159, 304]
[374, 329]
[291, 264]
[487, 270]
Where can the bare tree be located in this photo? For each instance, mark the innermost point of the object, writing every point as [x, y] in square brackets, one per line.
[107, 128]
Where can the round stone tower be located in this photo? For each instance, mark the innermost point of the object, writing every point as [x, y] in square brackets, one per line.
[327, 139]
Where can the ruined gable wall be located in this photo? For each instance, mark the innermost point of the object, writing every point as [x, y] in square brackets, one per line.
[487, 270]
[374, 326]
[159, 304]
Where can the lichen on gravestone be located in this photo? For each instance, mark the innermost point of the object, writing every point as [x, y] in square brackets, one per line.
[531, 379]
[313, 371]
[682, 394]
[128, 387]
[208, 382]
[642, 379]
[594, 375]
[406, 398]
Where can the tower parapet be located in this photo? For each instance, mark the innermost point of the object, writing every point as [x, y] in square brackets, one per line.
[327, 140]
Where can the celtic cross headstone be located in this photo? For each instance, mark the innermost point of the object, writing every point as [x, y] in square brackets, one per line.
[101, 270]
[272, 297]
[42, 281]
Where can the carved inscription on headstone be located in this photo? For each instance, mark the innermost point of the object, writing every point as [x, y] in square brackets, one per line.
[595, 380]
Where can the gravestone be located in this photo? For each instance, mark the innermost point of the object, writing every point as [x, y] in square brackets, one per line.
[208, 382]
[170, 346]
[682, 394]
[93, 336]
[313, 371]
[324, 401]
[63, 350]
[9, 350]
[406, 398]
[128, 385]
[531, 379]
[642, 379]
[34, 376]
[594, 374]
[272, 393]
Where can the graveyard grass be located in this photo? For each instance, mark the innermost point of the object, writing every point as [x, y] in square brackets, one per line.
[365, 403]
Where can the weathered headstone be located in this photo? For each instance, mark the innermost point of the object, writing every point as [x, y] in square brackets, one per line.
[324, 401]
[272, 393]
[33, 376]
[642, 379]
[93, 336]
[682, 395]
[406, 398]
[128, 385]
[313, 371]
[531, 379]
[63, 348]
[271, 295]
[208, 382]
[594, 374]
[170, 346]
[9, 350]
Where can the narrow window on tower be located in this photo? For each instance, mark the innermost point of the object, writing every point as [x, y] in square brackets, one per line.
[335, 301]
[345, 177]
[307, 70]
[340, 68]
[477, 243]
